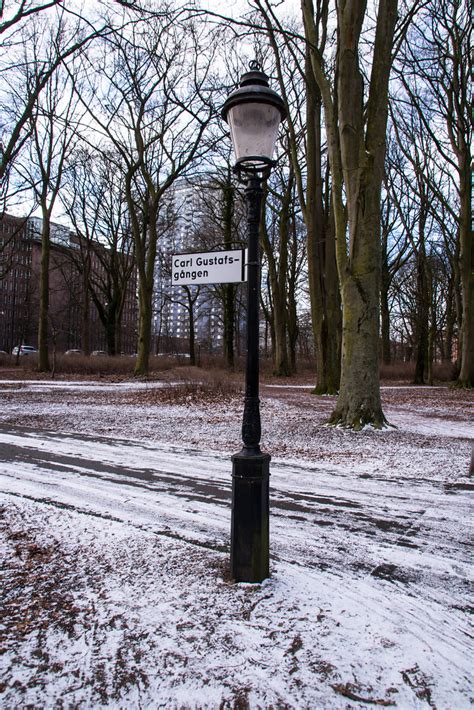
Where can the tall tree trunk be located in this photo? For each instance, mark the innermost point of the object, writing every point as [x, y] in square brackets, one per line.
[277, 278]
[145, 311]
[422, 306]
[85, 321]
[192, 333]
[384, 308]
[229, 325]
[278, 282]
[332, 310]
[121, 295]
[145, 239]
[110, 333]
[361, 134]
[281, 367]
[43, 349]
[385, 328]
[466, 269]
[292, 315]
[359, 402]
[450, 321]
[322, 269]
[431, 344]
[229, 289]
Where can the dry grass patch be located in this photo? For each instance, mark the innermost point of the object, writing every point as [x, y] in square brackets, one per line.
[191, 386]
[405, 372]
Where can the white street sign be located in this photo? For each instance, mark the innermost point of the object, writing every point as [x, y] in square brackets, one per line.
[212, 267]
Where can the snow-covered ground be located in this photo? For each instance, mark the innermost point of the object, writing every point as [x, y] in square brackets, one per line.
[114, 519]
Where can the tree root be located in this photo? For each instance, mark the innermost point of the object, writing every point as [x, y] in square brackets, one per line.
[357, 420]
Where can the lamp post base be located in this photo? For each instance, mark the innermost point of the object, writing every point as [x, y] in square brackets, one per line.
[249, 551]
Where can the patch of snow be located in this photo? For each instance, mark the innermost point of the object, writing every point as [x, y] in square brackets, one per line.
[115, 536]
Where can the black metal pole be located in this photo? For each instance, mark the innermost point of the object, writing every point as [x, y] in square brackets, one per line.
[249, 557]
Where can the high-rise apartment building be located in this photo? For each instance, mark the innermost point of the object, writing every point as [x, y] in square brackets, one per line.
[180, 233]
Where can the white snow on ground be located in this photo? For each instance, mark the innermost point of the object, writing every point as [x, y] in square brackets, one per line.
[115, 526]
[79, 386]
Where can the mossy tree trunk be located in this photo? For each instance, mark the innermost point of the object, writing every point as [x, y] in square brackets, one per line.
[316, 206]
[356, 150]
[359, 403]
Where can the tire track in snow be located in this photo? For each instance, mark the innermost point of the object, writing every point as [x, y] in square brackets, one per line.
[325, 519]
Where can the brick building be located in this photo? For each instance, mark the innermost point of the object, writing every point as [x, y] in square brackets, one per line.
[20, 253]
[15, 283]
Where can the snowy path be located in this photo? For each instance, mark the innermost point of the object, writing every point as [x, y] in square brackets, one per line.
[371, 589]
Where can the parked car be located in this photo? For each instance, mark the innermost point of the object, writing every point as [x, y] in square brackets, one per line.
[24, 350]
[98, 353]
[73, 352]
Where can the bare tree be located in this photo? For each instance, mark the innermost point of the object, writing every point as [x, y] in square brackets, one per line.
[52, 130]
[15, 13]
[355, 120]
[152, 106]
[94, 199]
[24, 76]
[434, 68]
[415, 201]
[306, 149]
[278, 234]
[219, 226]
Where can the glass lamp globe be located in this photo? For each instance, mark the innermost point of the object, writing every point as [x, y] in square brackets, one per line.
[254, 113]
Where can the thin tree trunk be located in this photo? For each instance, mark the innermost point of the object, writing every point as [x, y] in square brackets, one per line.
[85, 324]
[229, 325]
[332, 310]
[145, 251]
[192, 334]
[322, 269]
[43, 351]
[450, 321]
[466, 269]
[423, 299]
[422, 326]
[110, 333]
[229, 289]
[292, 315]
[384, 309]
[277, 279]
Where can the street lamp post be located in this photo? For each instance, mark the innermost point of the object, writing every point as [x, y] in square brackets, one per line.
[253, 112]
